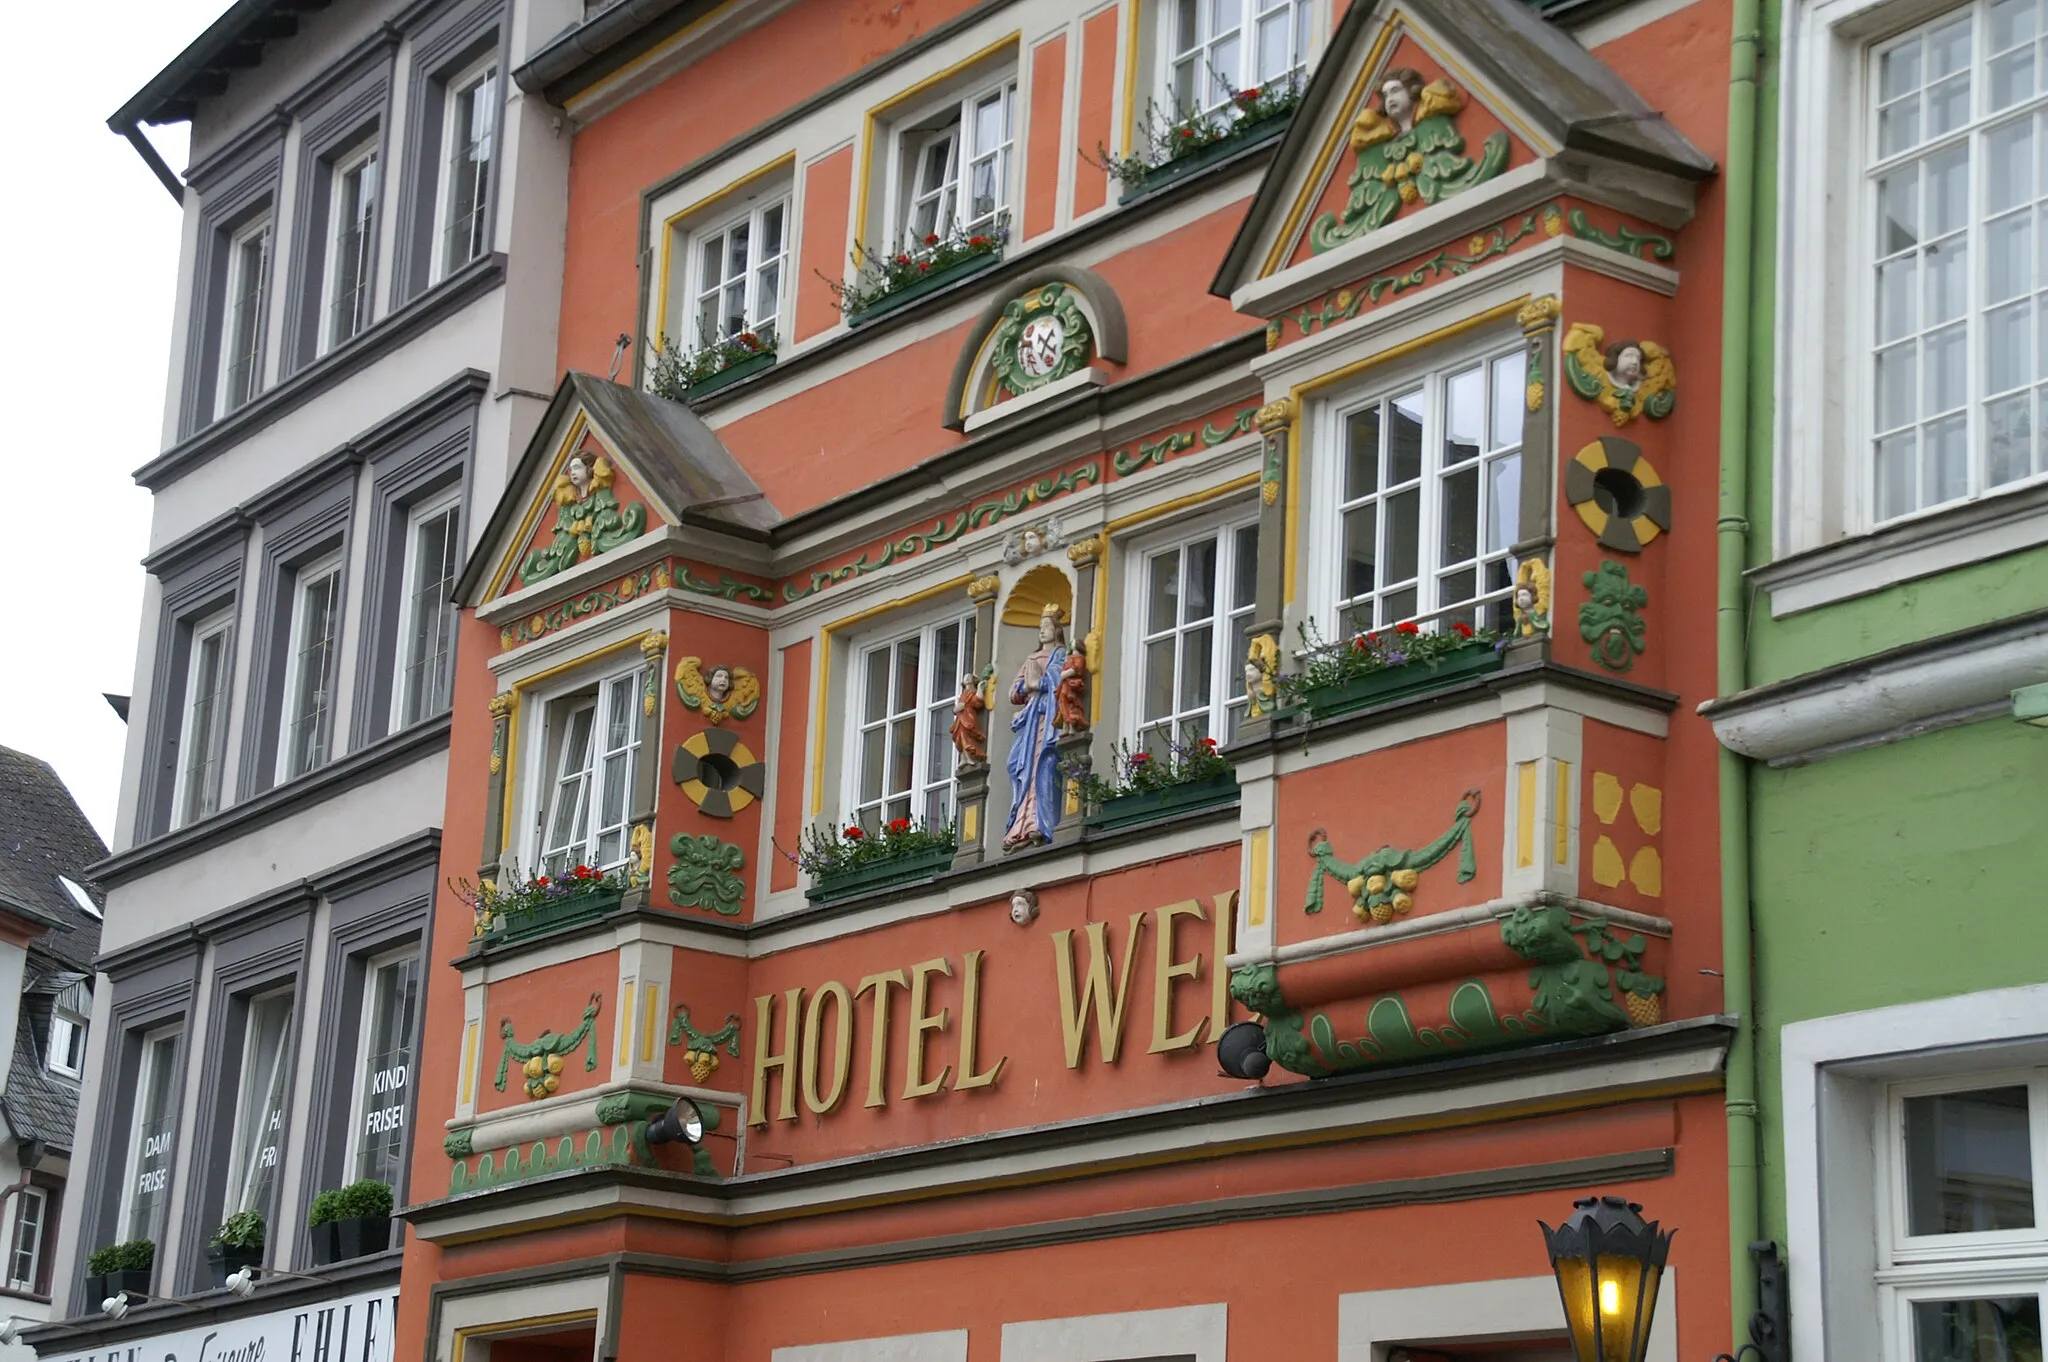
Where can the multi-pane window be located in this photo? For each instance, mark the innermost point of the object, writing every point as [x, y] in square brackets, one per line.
[31, 1217]
[594, 746]
[902, 748]
[1428, 489]
[351, 246]
[67, 1032]
[310, 668]
[245, 304]
[146, 1194]
[203, 727]
[959, 167]
[426, 626]
[258, 1141]
[391, 1001]
[739, 267]
[1215, 48]
[1959, 173]
[468, 143]
[1193, 618]
[1963, 1261]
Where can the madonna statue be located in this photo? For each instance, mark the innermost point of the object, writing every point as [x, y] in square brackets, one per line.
[1033, 763]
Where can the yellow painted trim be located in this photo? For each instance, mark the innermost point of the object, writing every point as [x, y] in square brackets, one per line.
[581, 101]
[1283, 1140]
[510, 789]
[622, 1050]
[1340, 136]
[499, 1329]
[970, 823]
[539, 504]
[871, 124]
[824, 673]
[1525, 814]
[467, 1092]
[1300, 392]
[1563, 850]
[1255, 907]
[1133, 26]
[669, 224]
[650, 1020]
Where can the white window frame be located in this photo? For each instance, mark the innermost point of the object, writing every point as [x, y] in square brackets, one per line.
[241, 1174]
[1325, 598]
[40, 1198]
[917, 131]
[364, 157]
[74, 1023]
[767, 324]
[220, 625]
[319, 570]
[233, 284]
[1302, 18]
[1226, 661]
[358, 1110]
[1839, 1075]
[450, 503]
[930, 733]
[145, 1073]
[457, 89]
[1827, 542]
[543, 776]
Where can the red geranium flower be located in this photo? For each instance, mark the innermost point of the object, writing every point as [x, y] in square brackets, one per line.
[1209, 743]
[582, 872]
[1187, 132]
[1462, 629]
[1247, 96]
[542, 880]
[1137, 757]
[924, 264]
[854, 834]
[932, 240]
[903, 260]
[977, 241]
[1358, 644]
[1408, 627]
[899, 825]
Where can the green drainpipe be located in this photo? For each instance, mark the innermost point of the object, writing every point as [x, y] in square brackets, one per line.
[1739, 186]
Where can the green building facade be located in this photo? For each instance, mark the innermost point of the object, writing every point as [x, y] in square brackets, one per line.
[1883, 614]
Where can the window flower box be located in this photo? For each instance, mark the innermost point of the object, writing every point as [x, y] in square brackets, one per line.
[511, 910]
[1379, 687]
[512, 924]
[1145, 805]
[729, 375]
[929, 282]
[1179, 167]
[880, 874]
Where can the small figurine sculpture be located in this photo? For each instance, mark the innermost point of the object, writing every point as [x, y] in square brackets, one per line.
[1532, 598]
[1628, 378]
[1071, 694]
[970, 737]
[1261, 663]
[588, 518]
[723, 693]
[1033, 763]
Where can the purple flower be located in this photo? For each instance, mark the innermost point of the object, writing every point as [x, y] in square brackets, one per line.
[1396, 658]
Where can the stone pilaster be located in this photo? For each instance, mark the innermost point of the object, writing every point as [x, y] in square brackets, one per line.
[502, 708]
[1261, 663]
[647, 771]
[1537, 531]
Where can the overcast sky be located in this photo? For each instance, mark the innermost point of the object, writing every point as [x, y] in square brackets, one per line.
[89, 257]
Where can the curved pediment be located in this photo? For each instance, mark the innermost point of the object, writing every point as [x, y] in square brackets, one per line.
[1054, 327]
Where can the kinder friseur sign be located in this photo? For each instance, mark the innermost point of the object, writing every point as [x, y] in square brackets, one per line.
[350, 1329]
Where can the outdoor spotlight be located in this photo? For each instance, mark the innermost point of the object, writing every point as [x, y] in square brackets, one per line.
[1241, 1051]
[115, 1307]
[682, 1121]
[242, 1282]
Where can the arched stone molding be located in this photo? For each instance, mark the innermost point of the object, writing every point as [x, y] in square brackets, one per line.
[1098, 303]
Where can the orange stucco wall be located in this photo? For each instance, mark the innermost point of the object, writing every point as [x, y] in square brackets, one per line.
[1101, 35]
[823, 244]
[1042, 165]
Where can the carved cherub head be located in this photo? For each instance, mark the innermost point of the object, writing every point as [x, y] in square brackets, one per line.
[1625, 364]
[1400, 93]
[719, 683]
[1023, 906]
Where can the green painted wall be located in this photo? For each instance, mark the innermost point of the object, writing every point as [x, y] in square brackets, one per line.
[1896, 874]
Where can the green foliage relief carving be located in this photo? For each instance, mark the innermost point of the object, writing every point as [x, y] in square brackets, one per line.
[1609, 620]
[706, 874]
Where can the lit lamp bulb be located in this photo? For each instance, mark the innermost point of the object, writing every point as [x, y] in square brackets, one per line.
[1610, 1297]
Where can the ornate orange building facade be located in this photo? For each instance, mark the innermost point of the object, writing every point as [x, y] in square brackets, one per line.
[1104, 526]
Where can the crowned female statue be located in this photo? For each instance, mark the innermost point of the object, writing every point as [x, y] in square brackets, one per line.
[1034, 762]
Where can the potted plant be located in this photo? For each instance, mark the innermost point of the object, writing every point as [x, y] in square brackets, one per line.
[510, 908]
[1385, 664]
[1148, 784]
[853, 860]
[688, 375]
[883, 283]
[1171, 147]
[237, 1244]
[350, 1222]
[118, 1268]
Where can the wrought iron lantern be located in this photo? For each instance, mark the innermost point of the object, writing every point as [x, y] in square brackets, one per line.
[1608, 1264]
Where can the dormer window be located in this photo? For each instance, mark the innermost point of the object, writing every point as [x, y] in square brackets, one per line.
[66, 1053]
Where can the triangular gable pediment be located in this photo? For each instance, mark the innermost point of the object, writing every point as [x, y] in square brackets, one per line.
[1500, 106]
[608, 465]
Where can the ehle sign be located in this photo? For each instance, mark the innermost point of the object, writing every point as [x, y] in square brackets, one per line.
[351, 1329]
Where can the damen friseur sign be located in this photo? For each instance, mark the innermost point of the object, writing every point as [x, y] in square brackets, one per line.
[350, 1329]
